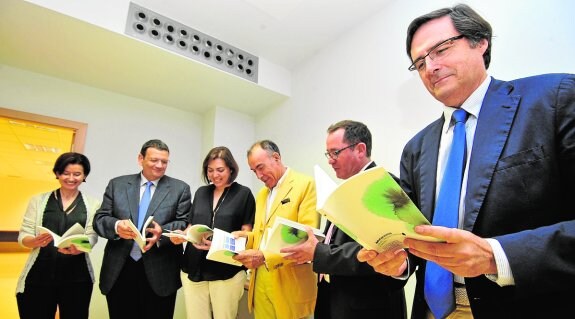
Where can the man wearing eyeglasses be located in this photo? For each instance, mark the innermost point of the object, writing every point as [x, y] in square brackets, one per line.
[511, 253]
[348, 288]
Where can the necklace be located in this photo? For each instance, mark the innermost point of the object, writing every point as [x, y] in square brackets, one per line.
[219, 204]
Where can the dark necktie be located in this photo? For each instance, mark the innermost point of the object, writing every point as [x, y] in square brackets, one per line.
[438, 286]
[136, 252]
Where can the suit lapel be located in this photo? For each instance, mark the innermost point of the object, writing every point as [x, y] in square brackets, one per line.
[160, 193]
[133, 197]
[283, 192]
[261, 208]
[428, 160]
[493, 127]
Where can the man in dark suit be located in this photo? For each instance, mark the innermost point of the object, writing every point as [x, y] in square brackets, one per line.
[348, 288]
[513, 254]
[142, 284]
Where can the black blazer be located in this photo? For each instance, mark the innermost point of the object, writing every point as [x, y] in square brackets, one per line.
[521, 181]
[170, 207]
[355, 290]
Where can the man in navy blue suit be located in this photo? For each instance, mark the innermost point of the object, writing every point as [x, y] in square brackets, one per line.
[513, 253]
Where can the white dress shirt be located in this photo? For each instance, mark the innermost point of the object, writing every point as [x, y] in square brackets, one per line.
[472, 106]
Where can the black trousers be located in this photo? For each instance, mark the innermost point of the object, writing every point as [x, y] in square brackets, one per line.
[133, 297]
[39, 302]
[323, 302]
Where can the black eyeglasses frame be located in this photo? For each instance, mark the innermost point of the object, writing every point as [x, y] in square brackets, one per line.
[335, 154]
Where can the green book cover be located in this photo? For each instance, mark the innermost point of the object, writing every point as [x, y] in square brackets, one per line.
[286, 233]
[370, 207]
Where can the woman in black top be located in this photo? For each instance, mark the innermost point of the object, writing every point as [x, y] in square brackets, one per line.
[213, 288]
[58, 277]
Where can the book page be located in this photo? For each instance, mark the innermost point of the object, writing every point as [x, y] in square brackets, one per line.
[324, 186]
[80, 241]
[74, 235]
[141, 239]
[76, 229]
[44, 230]
[225, 246]
[173, 233]
[197, 232]
[194, 234]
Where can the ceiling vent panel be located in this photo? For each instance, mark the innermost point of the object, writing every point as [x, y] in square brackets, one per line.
[158, 30]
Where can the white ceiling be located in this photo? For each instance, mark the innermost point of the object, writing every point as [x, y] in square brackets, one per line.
[285, 32]
[84, 42]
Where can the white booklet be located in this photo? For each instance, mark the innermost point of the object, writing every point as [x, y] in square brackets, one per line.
[370, 207]
[141, 238]
[75, 235]
[194, 234]
[286, 233]
[225, 246]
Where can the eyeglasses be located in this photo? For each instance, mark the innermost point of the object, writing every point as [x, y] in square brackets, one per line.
[335, 154]
[436, 53]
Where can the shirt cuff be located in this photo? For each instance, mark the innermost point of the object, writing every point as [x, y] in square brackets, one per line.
[405, 274]
[504, 276]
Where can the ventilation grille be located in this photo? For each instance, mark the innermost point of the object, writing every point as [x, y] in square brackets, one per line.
[151, 27]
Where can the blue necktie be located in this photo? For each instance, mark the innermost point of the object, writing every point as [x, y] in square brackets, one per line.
[438, 286]
[136, 252]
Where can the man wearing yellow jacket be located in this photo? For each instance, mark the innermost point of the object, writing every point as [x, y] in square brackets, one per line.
[278, 288]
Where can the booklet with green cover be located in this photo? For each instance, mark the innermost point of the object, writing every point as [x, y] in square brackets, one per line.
[286, 233]
[194, 234]
[141, 238]
[225, 246]
[75, 235]
[370, 207]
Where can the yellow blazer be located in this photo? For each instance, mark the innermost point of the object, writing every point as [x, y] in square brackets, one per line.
[295, 285]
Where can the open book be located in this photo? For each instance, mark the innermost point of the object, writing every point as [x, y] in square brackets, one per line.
[194, 234]
[370, 207]
[286, 233]
[141, 238]
[75, 235]
[225, 246]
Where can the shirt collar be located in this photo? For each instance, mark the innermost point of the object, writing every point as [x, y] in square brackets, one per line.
[144, 180]
[281, 180]
[366, 166]
[472, 105]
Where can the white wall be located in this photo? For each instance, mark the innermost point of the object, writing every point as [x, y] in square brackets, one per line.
[236, 131]
[117, 128]
[363, 76]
